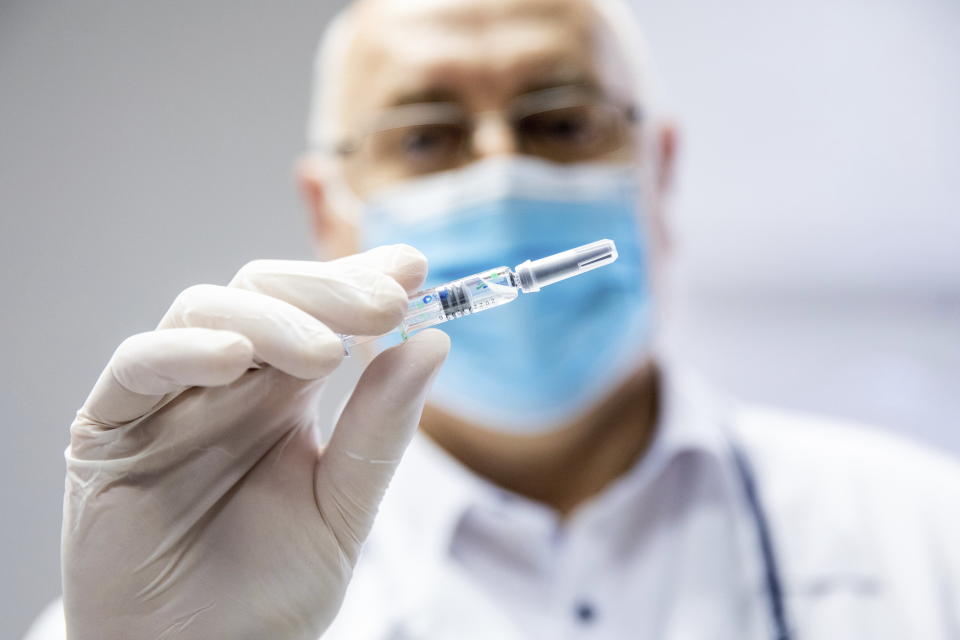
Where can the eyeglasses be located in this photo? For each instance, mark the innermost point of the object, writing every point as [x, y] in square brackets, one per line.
[564, 124]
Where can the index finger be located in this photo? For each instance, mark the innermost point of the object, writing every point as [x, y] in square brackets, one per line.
[403, 263]
[363, 294]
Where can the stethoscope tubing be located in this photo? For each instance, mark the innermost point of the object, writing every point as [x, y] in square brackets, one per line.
[771, 571]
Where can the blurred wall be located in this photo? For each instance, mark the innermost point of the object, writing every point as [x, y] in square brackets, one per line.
[817, 218]
[148, 146]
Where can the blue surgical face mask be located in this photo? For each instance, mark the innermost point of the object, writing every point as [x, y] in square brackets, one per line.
[535, 364]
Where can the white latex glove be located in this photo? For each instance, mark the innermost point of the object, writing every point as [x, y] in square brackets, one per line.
[198, 501]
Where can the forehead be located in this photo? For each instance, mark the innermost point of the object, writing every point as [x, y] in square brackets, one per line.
[478, 51]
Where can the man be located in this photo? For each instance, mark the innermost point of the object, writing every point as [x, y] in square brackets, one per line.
[566, 484]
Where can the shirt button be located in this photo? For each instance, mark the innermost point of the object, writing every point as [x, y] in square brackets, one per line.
[585, 612]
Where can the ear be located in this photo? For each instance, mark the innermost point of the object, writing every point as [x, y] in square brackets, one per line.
[666, 157]
[332, 236]
[665, 147]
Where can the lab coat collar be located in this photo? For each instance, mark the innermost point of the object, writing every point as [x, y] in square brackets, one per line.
[436, 491]
[432, 495]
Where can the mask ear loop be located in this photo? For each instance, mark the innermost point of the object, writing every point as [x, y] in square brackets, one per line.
[661, 273]
[343, 200]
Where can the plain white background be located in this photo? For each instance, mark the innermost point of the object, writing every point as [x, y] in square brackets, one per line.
[148, 146]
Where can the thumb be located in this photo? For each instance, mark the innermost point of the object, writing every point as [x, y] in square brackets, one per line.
[373, 431]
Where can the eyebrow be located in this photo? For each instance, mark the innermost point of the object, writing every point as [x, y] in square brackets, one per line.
[580, 80]
[429, 94]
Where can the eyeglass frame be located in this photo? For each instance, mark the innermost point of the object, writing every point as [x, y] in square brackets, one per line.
[349, 145]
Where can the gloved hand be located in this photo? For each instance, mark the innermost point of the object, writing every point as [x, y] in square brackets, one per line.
[198, 501]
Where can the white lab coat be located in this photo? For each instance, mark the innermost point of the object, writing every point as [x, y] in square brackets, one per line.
[865, 527]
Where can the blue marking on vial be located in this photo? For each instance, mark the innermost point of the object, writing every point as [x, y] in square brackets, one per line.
[427, 299]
